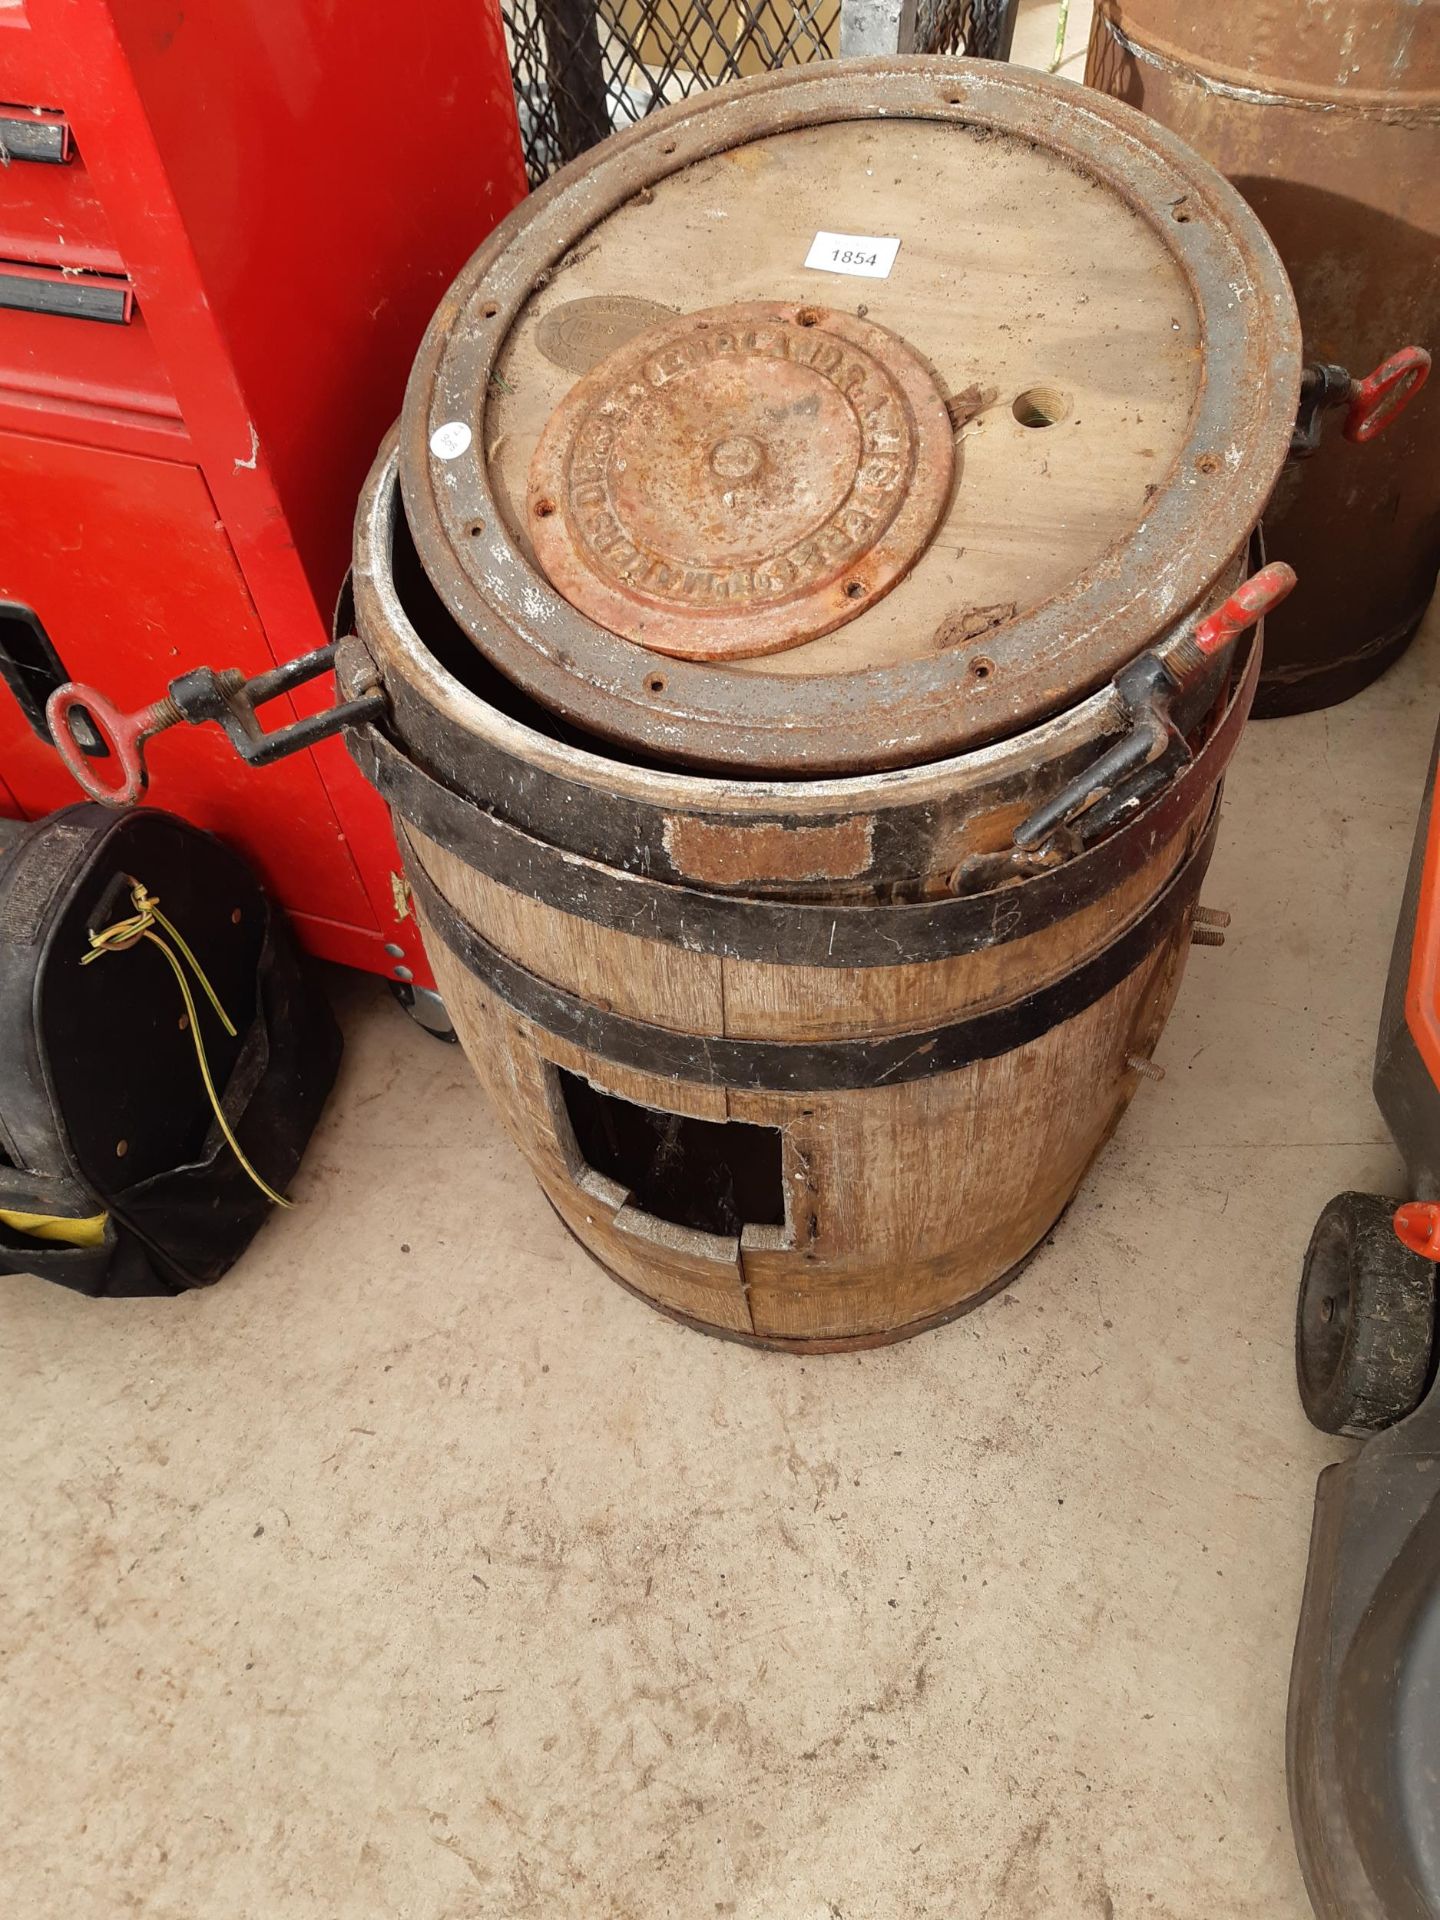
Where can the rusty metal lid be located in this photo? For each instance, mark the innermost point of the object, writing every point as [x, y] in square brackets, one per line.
[1098, 314]
[741, 480]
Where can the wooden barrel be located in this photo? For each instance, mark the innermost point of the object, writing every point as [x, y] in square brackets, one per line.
[1327, 119]
[756, 814]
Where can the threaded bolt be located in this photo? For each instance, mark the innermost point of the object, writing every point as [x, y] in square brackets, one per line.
[1211, 917]
[1185, 659]
[1147, 1069]
[1206, 936]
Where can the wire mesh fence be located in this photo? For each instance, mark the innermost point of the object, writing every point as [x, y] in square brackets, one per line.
[586, 68]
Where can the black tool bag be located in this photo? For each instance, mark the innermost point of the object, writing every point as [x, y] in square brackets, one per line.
[115, 1176]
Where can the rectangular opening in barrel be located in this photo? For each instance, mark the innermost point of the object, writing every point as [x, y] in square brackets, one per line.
[716, 1176]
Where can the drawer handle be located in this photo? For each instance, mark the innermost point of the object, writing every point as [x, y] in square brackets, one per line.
[80, 296]
[34, 133]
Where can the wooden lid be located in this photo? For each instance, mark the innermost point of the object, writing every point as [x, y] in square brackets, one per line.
[1081, 344]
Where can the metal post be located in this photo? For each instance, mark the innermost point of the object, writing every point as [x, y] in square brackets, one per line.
[575, 76]
[869, 27]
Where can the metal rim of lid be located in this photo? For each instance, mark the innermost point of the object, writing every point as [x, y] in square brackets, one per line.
[443, 723]
[822, 524]
[698, 714]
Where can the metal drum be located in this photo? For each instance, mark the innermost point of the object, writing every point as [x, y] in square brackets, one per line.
[1326, 115]
[805, 595]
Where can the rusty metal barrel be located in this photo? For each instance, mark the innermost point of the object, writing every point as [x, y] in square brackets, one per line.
[1325, 114]
[806, 591]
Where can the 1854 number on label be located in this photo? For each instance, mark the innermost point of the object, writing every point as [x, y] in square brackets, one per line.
[865, 254]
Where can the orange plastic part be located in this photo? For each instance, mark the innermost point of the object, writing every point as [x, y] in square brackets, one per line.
[1418, 1225]
[1422, 994]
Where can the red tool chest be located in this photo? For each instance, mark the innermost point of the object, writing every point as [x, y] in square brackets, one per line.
[223, 228]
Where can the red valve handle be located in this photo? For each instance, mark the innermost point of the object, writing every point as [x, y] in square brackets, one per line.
[1378, 400]
[124, 734]
[1251, 601]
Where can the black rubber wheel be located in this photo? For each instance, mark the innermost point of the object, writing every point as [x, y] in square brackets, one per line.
[1365, 1326]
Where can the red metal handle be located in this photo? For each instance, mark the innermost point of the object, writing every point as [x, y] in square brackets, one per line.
[1382, 396]
[1251, 601]
[124, 734]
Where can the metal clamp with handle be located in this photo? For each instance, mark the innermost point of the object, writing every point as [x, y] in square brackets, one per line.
[1371, 404]
[201, 695]
[1152, 746]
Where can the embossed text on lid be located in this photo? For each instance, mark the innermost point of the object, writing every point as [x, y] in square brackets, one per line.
[741, 480]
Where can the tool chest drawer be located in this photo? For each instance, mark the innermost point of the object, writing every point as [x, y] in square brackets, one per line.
[71, 329]
[91, 347]
[50, 210]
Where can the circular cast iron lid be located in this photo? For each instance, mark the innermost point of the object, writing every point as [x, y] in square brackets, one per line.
[1099, 318]
[741, 480]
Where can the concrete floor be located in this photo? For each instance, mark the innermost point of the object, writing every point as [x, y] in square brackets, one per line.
[419, 1571]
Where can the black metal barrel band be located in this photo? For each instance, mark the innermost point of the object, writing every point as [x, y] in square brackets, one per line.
[810, 1066]
[808, 933]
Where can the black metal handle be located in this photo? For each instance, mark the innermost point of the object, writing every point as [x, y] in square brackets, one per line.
[231, 700]
[1146, 687]
[80, 296]
[36, 134]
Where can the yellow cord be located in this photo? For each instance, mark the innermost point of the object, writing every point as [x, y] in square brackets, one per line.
[141, 925]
